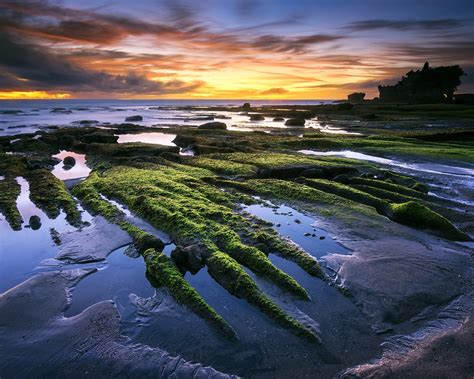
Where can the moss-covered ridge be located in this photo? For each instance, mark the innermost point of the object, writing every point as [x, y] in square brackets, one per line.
[165, 272]
[47, 192]
[196, 213]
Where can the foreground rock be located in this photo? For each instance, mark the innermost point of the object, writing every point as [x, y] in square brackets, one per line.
[93, 243]
[442, 349]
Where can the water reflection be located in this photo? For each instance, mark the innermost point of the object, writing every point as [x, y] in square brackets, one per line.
[79, 170]
[152, 137]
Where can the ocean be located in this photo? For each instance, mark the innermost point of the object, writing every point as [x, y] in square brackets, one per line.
[28, 116]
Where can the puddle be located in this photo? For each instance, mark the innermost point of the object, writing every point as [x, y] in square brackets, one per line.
[79, 170]
[116, 280]
[22, 251]
[152, 137]
[434, 168]
[301, 229]
[140, 223]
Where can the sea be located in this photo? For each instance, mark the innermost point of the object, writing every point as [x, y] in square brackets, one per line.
[29, 116]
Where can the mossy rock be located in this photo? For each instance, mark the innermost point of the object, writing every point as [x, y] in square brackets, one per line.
[162, 269]
[421, 217]
[216, 125]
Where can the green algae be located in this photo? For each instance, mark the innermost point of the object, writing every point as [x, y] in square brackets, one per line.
[9, 192]
[50, 195]
[164, 271]
[419, 216]
[232, 277]
[410, 213]
[387, 186]
[196, 213]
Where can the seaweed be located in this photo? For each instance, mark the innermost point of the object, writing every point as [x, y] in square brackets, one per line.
[164, 271]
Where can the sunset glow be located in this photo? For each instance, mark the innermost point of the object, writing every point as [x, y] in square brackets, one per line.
[227, 50]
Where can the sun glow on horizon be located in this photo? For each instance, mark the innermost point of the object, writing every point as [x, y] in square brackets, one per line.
[32, 95]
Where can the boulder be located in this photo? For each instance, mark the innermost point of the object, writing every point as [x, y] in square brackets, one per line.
[35, 222]
[246, 106]
[296, 122]
[256, 117]
[190, 258]
[69, 162]
[278, 119]
[134, 118]
[216, 125]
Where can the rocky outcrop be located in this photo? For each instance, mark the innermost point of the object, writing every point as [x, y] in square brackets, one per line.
[428, 85]
[216, 125]
[134, 118]
[356, 97]
[295, 122]
[256, 117]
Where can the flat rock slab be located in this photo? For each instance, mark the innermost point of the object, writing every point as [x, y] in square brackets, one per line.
[93, 243]
[36, 340]
[393, 279]
[441, 349]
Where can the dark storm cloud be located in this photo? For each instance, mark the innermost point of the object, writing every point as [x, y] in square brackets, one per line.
[48, 21]
[25, 65]
[403, 25]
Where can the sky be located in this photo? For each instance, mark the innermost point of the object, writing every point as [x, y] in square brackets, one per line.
[226, 49]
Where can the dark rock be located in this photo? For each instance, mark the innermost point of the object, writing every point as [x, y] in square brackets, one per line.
[11, 111]
[69, 162]
[428, 85]
[35, 162]
[88, 122]
[322, 237]
[307, 234]
[246, 106]
[61, 110]
[297, 122]
[313, 173]
[190, 258]
[256, 117]
[134, 118]
[35, 222]
[281, 172]
[344, 107]
[147, 241]
[369, 116]
[184, 140]
[356, 98]
[99, 138]
[297, 221]
[278, 119]
[216, 125]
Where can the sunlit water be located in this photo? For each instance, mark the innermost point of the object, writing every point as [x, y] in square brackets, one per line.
[29, 116]
[79, 170]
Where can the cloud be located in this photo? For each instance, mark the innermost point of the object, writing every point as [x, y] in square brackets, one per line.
[37, 68]
[292, 44]
[404, 25]
[274, 91]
